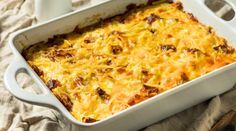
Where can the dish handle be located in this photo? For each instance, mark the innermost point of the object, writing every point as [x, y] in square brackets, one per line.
[15, 68]
[233, 5]
[231, 22]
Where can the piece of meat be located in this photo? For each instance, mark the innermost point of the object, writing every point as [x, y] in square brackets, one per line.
[193, 50]
[37, 70]
[168, 47]
[89, 40]
[151, 18]
[116, 49]
[103, 94]
[192, 17]
[88, 120]
[224, 48]
[79, 81]
[149, 91]
[51, 84]
[65, 100]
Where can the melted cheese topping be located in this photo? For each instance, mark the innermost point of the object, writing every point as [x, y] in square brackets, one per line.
[106, 68]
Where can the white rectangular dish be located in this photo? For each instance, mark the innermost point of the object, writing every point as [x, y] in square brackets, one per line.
[144, 113]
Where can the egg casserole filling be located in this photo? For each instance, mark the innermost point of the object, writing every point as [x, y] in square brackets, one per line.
[103, 69]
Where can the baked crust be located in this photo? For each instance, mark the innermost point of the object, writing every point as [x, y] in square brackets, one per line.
[106, 68]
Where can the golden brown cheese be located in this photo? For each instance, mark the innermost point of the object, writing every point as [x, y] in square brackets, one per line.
[106, 68]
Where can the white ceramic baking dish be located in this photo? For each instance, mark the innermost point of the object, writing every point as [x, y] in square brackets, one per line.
[144, 113]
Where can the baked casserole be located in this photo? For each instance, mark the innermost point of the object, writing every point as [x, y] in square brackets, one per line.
[103, 69]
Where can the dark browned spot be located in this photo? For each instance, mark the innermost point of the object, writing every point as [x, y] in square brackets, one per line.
[65, 100]
[79, 81]
[37, 70]
[71, 61]
[121, 69]
[53, 84]
[178, 5]
[116, 49]
[149, 90]
[144, 72]
[89, 40]
[168, 47]
[192, 17]
[59, 53]
[103, 94]
[146, 76]
[152, 31]
[131, 6]
[151, 18]
[224, 48]
[104, 70]
[210, 30]
[169, 36]
[88, 120]
[184, 77]
[109, 61]
[193, 50]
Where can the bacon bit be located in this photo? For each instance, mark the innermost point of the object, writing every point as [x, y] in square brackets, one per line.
[89, 40]
[116, 49]
[150, 90]
[168, 47]
[152, 31]
[109, 61]
[103, 94]
[179, 5]
[88, 120]
[184, 77]
[224, 48]
[146, 76]
[79, 81]
[210, 30]
[77, 96]
[192, 17]
[59, 53]
[121, 69]
[193, 50]
[131, 6]
[65, 100]
[153, 17]
[37, 70]
[104, 70]
[169, 36]
[145, 72]
[51, 84]
[71, 61]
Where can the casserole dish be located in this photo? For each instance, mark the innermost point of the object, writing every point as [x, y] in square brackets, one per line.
[149, 110]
